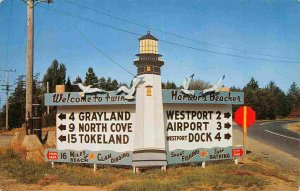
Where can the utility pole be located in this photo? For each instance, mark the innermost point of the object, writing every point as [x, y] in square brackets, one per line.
[29, 60]
[7, 92]
[7, 105]
[30, 51]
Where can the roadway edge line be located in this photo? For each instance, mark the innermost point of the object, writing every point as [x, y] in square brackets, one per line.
[282, 135]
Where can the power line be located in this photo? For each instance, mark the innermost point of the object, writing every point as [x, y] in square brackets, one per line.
[105, 55]
[164, 41]
[173, 34]
[88, 20]
[225, 54]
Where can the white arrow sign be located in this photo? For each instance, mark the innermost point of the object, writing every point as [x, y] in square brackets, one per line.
[198, 126]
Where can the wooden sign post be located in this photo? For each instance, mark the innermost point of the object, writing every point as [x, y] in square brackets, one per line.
[245, 117]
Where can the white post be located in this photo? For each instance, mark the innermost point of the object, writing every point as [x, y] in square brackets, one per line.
[52, 164]
[236, 161]
[95, 168]
[134, 169]
[203, 164]
[164, 168]
[137, 170]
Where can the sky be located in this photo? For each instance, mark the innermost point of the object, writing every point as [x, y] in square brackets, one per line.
[266, 34]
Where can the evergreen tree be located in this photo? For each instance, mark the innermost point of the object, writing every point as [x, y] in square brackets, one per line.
[113, 85]
[235, 89]
[91, 78]
[293, 97]
[75, 87]
[199, 85]
[257, 99]
[168, 85]
[69, 87]
[16, 112]
[253, 84]
[269, 102]
[278, 99]
[37, 88]
[250, 91]
[55, 75]
[102, 83]
[264, 105]
[108, 84]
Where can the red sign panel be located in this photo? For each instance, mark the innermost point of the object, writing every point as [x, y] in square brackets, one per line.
[52, 155]
[237, 152]
[245, 116]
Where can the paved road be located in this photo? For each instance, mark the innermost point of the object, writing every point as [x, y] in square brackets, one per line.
[273, 133]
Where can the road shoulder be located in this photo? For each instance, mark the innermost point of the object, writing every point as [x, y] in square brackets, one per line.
[287, 164]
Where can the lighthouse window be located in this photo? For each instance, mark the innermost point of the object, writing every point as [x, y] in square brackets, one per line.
[149, 90]
[148, 68]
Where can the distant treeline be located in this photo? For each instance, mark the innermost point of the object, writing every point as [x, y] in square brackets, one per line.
[269, 102]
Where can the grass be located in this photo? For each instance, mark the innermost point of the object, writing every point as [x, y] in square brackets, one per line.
[21, 170]
[29, 172]
[216, 176]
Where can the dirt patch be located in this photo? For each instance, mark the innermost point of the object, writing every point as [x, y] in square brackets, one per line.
[65, 187]
[282, 185]
[12, 185]
[295, 127]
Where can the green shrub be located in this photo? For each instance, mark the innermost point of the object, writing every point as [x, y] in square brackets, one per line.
[11, 154]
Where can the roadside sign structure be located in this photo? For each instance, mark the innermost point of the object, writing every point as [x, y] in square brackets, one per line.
[145, 125]
[102, 132]
[245, 116]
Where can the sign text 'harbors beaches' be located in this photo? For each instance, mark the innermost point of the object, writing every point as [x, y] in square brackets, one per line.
[169, 96]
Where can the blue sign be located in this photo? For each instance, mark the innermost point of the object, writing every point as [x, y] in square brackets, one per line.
[74, 98]
[169, 96]
[86, 156]
[179, 156]
[175, 96]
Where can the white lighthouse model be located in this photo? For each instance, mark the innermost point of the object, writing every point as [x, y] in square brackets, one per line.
[149, 141]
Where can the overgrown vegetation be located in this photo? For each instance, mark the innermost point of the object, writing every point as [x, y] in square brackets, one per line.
[22, 170]
[220, 175]
[29, 172]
